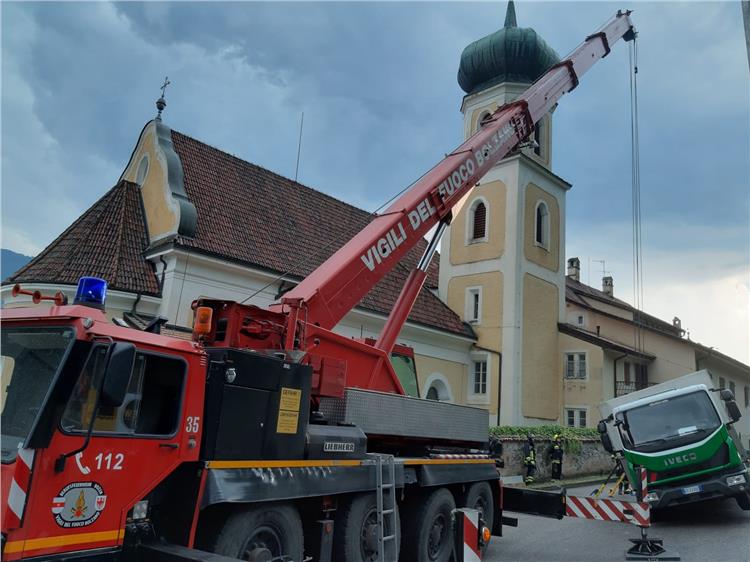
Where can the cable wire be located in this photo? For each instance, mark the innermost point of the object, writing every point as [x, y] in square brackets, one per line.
[638, 297]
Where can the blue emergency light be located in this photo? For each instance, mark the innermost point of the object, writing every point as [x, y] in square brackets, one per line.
[92, 292]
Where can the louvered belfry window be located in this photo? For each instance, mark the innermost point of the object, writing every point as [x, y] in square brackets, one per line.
[479, 229]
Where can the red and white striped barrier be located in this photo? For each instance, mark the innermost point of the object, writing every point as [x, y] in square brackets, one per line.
[644, 482]
[19, 487]
[470, 535]
[637, 513]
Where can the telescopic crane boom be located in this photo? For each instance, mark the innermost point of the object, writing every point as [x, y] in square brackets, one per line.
[325, 296]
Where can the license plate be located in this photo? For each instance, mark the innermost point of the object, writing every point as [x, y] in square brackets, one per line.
[692, 490]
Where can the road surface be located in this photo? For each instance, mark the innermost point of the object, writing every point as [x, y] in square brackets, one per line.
[707, 531]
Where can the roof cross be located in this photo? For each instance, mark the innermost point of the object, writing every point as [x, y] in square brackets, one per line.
[164, 86]
[161, 103]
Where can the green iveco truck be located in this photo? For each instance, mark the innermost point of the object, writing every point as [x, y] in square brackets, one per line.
[681, 433]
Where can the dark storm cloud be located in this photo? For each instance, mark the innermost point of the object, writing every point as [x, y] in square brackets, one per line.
[377, 83]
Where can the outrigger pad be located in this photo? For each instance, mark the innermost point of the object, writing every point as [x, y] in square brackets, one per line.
[650, 549]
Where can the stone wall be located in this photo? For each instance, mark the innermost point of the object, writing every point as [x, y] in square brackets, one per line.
[590, 460]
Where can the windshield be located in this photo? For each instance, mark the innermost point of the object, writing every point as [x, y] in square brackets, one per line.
[29, 360]
[687, 418]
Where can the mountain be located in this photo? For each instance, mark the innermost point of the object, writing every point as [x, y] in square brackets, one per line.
[10, 262]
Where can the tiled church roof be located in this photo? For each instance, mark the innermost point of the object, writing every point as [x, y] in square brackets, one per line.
[108, 241]
[251, 215]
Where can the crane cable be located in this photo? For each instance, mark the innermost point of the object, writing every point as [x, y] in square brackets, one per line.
[636, 199]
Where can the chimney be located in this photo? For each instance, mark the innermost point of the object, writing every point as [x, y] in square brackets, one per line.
[574, 269]
[608, 285]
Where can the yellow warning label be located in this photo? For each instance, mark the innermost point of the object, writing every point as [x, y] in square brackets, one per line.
[287, 422]
[290, 398]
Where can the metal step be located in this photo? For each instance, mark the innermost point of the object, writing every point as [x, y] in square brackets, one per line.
[385, 494]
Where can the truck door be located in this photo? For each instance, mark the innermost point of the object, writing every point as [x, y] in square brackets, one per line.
[132, 448]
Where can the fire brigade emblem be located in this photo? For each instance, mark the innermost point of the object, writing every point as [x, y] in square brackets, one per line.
[78, 504]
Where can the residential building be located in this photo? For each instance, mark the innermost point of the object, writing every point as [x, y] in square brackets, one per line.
[608, 348]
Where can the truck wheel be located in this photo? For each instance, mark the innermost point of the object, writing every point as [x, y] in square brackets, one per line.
[355, 531]
[428, 530]
[479, 497]
[743, 500]
[262, 532]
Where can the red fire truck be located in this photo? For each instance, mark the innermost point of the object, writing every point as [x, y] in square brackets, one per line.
[269, 436]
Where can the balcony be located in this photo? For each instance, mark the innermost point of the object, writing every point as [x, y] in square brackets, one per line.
[626, 387]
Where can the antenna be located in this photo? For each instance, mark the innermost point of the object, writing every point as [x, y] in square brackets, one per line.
[604, 268]
[299, 145]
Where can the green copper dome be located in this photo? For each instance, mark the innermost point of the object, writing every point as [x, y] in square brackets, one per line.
[511, 54]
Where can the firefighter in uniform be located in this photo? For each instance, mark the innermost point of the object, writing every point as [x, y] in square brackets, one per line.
[529, 459]
[556, 455]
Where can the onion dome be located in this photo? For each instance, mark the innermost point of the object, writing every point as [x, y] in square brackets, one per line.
[511, 54]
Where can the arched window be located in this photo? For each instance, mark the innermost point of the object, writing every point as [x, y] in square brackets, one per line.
[541, 230]
[478, 221]
[438, 388]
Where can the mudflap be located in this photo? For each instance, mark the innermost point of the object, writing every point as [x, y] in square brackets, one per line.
[534, 502]
[165, 552]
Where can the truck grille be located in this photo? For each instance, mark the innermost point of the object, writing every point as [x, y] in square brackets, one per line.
[720, 458]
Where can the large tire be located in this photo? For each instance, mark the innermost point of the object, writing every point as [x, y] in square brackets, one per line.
[247, 532]
[355, 530]
[428, 529]
[479, 497]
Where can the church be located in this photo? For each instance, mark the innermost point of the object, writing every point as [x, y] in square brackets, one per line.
[503, 322]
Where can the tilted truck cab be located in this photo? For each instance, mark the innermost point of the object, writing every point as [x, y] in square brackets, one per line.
[681, 433]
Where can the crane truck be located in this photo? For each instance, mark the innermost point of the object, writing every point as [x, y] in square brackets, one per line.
[680, 432]
[268, 436]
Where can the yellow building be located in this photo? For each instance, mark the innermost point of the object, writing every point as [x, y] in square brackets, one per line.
[501, 260]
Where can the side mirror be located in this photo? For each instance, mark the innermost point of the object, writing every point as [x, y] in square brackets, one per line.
[117, 375]
[726, 395]
[601, 427]
[733, 410]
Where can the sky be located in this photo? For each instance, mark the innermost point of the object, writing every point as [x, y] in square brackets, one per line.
[377, 85]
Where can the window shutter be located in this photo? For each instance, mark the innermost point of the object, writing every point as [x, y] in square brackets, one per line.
[480, 222]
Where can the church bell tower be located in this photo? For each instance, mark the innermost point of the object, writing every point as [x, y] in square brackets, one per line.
[502, 259]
